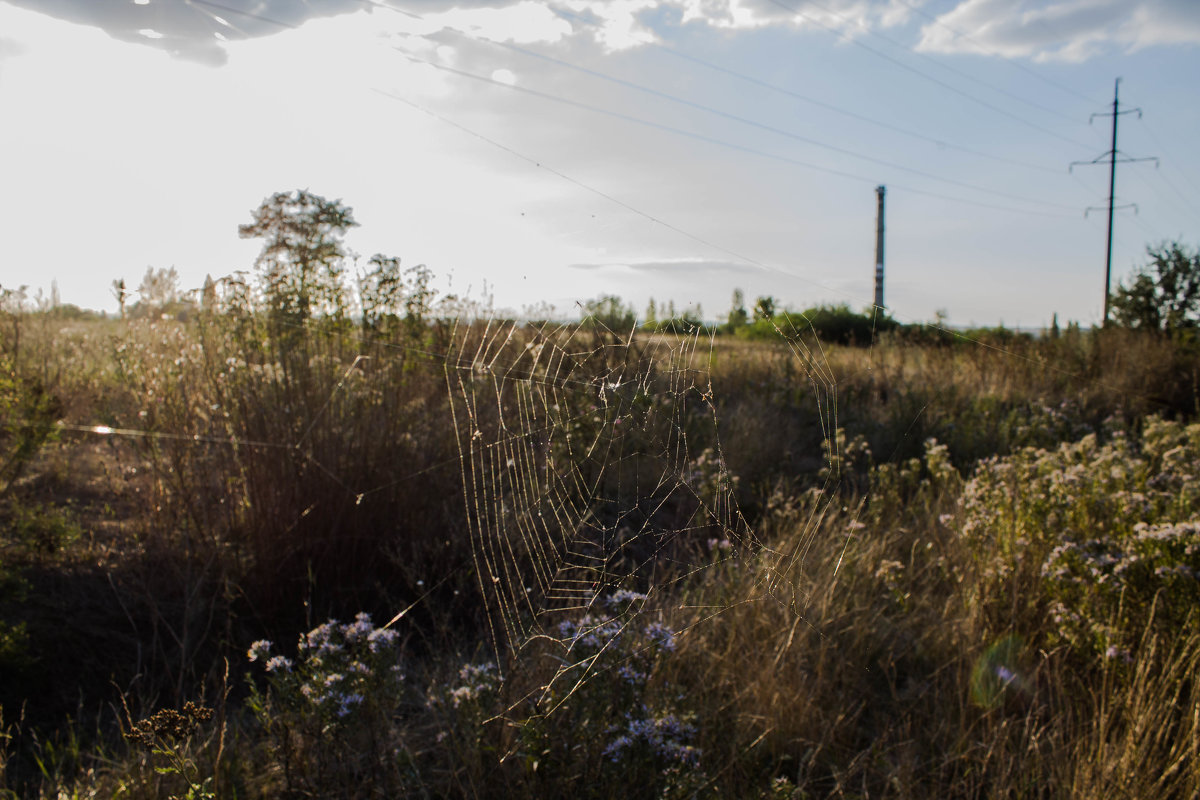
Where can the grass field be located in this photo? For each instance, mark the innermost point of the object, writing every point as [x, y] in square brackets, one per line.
[655, 566]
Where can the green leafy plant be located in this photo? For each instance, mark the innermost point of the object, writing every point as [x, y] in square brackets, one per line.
[1163, 295]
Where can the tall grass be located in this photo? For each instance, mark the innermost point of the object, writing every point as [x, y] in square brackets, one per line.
[908, 619]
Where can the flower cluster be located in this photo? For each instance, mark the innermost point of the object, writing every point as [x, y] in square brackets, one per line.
[338, 668]
[592, 693]
[479, 682]
[614, 692]
[845, 460]
[169, 724]
[662, 637]
[589, 634]
[623, 600]
[662, 738]
[708, 476]
[896, 484]
[1111, 529]
[1044, 425]
[722, 545]
[611, 638]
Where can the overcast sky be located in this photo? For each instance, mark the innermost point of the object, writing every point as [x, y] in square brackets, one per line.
[550, 152]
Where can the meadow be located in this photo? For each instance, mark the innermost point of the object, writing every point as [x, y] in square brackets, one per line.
[256, 556]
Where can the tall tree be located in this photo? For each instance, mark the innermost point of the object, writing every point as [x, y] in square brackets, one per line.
[158, 291]
[1163, 295]
[302, 265]
[737, 317]
[764, 308]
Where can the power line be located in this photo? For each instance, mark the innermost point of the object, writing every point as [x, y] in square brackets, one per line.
[934, 61]
[652, 124]
[1153, 234]
[674, 98]
[941, 143]
[747, 259]
[995, 53]
[731, 145]
[716, 112]
[542, 165]
[831, 107]
[659, 221]
[633, 209]
[1075, 177]
[1158, 142]
[1175, 189]
[926, 76]
[1166, 201]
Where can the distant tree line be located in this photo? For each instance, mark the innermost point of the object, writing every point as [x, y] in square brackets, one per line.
[1163, 296]
[305, 272]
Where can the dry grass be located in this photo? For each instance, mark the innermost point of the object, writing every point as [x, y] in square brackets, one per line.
[837, 655]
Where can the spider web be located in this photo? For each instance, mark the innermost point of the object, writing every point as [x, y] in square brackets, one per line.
[591, 465]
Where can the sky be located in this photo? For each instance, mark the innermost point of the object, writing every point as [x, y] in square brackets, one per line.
[540, 154]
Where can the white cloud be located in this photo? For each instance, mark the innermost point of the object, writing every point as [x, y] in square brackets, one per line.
[505, 76]
[1165, 22]
[616, 21]
[1061, 30]
[524, 23]
[850, 17]
[1064, 30]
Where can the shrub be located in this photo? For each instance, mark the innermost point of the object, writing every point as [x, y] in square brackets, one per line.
[1106, 534]
[1164, 295]
[833, 324]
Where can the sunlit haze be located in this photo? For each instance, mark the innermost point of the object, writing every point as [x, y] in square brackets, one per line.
[550, 152]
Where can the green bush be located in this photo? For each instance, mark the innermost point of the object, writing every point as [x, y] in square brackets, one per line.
[832, 324]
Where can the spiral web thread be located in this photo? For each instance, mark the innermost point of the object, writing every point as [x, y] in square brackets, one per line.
[581, 470]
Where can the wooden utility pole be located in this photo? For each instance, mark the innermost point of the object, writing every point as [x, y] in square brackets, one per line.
[880, 191]
[1113, 156]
